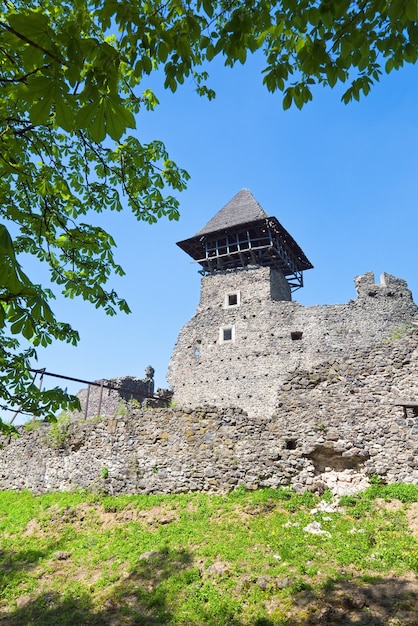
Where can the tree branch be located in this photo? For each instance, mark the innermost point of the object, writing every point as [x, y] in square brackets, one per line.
[22, 79]
[32, 43]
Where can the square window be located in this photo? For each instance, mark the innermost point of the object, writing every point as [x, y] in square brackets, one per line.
[232, 299]
[226, 334]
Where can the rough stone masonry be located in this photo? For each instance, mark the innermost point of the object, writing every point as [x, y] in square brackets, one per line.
[288, 396]
[269, 338]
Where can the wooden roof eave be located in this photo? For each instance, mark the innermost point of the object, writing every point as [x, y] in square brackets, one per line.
[195, 246]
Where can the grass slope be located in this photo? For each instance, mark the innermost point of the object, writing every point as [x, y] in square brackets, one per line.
[248, 558]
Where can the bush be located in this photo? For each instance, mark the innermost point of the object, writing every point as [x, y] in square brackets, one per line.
[58, 432]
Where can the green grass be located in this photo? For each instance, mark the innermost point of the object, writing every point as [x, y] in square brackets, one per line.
[238, 560]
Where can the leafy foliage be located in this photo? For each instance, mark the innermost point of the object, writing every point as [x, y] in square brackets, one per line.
[70, 78]
[66, 100]
[58, 431]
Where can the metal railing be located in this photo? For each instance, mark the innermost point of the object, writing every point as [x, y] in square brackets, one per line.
[103, 384]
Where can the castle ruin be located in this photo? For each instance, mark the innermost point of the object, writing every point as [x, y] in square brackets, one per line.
[267, 392]
[248, 336]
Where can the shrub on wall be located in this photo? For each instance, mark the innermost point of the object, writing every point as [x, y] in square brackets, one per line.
[59, 431]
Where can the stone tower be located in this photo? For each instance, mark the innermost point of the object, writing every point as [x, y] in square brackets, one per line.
[248, 339]
[247, 260]
[241, 235]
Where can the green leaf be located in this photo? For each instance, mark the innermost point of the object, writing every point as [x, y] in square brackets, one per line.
[300, 44]
[146, 64]
[6, 245]
[314, 16]
[208, 7]
[86, 114]
[40, 112]
[115, 126]
[389, 65]
[119, 108]
[162, 52]
[2, 315]
[18, 326]
[64, 115]
[28, 329]
[288, 98]
[411, 10]
[210, 52]
[32, 25]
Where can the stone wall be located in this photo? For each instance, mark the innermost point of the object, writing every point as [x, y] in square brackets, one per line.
[304, 396]
[272, 337]
[108, 397]
[337, 416]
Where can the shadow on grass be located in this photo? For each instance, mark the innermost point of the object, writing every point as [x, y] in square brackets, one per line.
[382, 601]
[51, 608]
[139, 599]
[146, 596]
[16, 565]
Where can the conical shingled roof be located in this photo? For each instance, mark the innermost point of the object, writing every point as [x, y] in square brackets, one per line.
[242, 234]
[243, 208]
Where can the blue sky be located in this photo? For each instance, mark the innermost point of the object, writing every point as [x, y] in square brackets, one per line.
[341, 179]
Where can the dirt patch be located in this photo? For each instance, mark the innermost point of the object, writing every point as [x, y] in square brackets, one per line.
[158, 515]
[78, 517]
[110, 519]
[154, 517]
[262, 508]
[68, 571]
[410, 510]
[412, 516]
[90, 515]
[389, 505]
[33, 527]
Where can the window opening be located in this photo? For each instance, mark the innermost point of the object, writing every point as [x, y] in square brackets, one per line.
[296, 335]
[232, 299]
[226, 334]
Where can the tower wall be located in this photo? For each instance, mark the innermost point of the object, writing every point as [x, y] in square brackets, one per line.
[247, 336]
